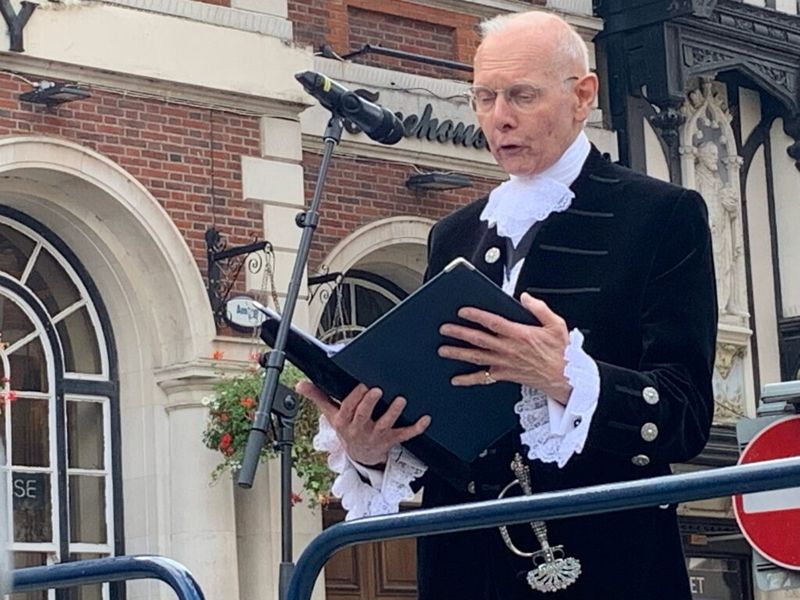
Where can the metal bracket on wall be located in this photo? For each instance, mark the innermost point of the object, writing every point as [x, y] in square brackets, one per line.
[223, 270]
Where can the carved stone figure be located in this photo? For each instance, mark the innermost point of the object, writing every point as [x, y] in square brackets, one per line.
[711, 165]
[723, 205]
[728, 383]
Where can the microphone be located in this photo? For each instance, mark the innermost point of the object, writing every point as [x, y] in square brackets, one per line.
[377, 122]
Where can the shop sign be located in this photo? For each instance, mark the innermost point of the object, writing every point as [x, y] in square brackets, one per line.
[243, 313]
[16, 22]
[715, 578]
[424, 126]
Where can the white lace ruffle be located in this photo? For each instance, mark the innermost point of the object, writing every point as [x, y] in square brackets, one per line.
[515, 205]
[552, 432]
[359, 498]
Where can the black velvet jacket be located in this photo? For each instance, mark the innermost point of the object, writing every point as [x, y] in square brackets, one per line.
[630, 265]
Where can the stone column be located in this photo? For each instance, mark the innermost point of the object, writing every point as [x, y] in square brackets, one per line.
[202, 527]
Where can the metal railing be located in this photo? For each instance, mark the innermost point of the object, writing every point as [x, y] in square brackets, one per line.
[106, 570]
[669, 489]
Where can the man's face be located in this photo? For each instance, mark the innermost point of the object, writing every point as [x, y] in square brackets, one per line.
[709, 156]
[526, 141]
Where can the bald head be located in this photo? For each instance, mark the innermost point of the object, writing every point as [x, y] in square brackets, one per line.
[540, 32]
[533, 70]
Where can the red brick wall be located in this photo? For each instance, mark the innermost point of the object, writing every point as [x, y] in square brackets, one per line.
[167, 147]
[398, 24]
[400, 33]
[362, 190]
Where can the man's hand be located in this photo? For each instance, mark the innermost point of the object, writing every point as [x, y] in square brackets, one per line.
[509, 351]
[365, 440]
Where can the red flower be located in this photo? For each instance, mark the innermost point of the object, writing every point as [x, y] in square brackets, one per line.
[248, 403]
[217, 354]
[225, 441]
[296, 498]
[255, 356]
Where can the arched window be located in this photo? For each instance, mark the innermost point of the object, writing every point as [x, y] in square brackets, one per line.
[356, 301]
[59, 417]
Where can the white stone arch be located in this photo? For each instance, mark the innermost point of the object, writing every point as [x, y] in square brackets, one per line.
[393, 247]
[138, 258]
[164, 333]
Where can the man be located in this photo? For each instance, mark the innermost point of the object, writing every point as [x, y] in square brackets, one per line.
[616, 381]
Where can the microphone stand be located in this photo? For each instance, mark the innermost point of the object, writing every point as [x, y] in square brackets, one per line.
[275, 361]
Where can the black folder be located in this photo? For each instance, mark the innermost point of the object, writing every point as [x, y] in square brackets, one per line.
[398, 353]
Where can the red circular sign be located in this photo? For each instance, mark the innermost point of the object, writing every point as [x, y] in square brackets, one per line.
[771, 520]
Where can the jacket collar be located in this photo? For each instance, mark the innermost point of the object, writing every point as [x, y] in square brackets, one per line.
[491, 244]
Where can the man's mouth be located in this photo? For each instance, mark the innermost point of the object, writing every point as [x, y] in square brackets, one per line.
[510, 148]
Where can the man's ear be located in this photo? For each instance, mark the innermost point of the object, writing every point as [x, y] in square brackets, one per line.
[586, 92]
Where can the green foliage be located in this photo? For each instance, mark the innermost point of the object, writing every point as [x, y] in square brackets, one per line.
[230, 413]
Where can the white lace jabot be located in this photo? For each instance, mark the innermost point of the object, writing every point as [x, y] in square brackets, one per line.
[515, 205]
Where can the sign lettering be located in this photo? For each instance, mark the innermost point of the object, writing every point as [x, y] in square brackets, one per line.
[426, 127]
[25, 488]
[16, 22]
[697, 584]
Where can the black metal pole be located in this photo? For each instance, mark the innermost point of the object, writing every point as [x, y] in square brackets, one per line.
[277, 357]
[286, 439]
[285, 410]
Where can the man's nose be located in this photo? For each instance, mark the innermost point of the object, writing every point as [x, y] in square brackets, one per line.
[505, 116]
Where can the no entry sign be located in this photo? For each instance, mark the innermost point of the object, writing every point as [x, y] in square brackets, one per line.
[771, 520]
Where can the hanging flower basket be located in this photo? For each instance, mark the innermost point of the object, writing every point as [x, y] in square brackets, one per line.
[231, 410]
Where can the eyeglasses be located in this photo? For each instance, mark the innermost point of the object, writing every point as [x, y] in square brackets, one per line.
[522, 96]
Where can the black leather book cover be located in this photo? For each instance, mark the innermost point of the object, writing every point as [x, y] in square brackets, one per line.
[398, 353]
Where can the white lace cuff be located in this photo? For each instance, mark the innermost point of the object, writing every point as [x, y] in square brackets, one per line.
[386, 490]
[553, 432]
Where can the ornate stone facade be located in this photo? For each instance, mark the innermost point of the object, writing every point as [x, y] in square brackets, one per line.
[728, 383]
[711, 165]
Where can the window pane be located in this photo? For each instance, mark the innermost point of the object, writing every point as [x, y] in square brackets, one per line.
[51, 284]
[86, 592]
[78, 339]
[85, 435]
[30, 432]
[370, 305]
[29, 368]
[14, 324]
[15, 250]
[87, 509]
[29, 559]
[32, 507]
[336, 313]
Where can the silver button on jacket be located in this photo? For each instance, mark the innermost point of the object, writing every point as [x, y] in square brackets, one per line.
[650, 395]
[649, 432]
[641, 460]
